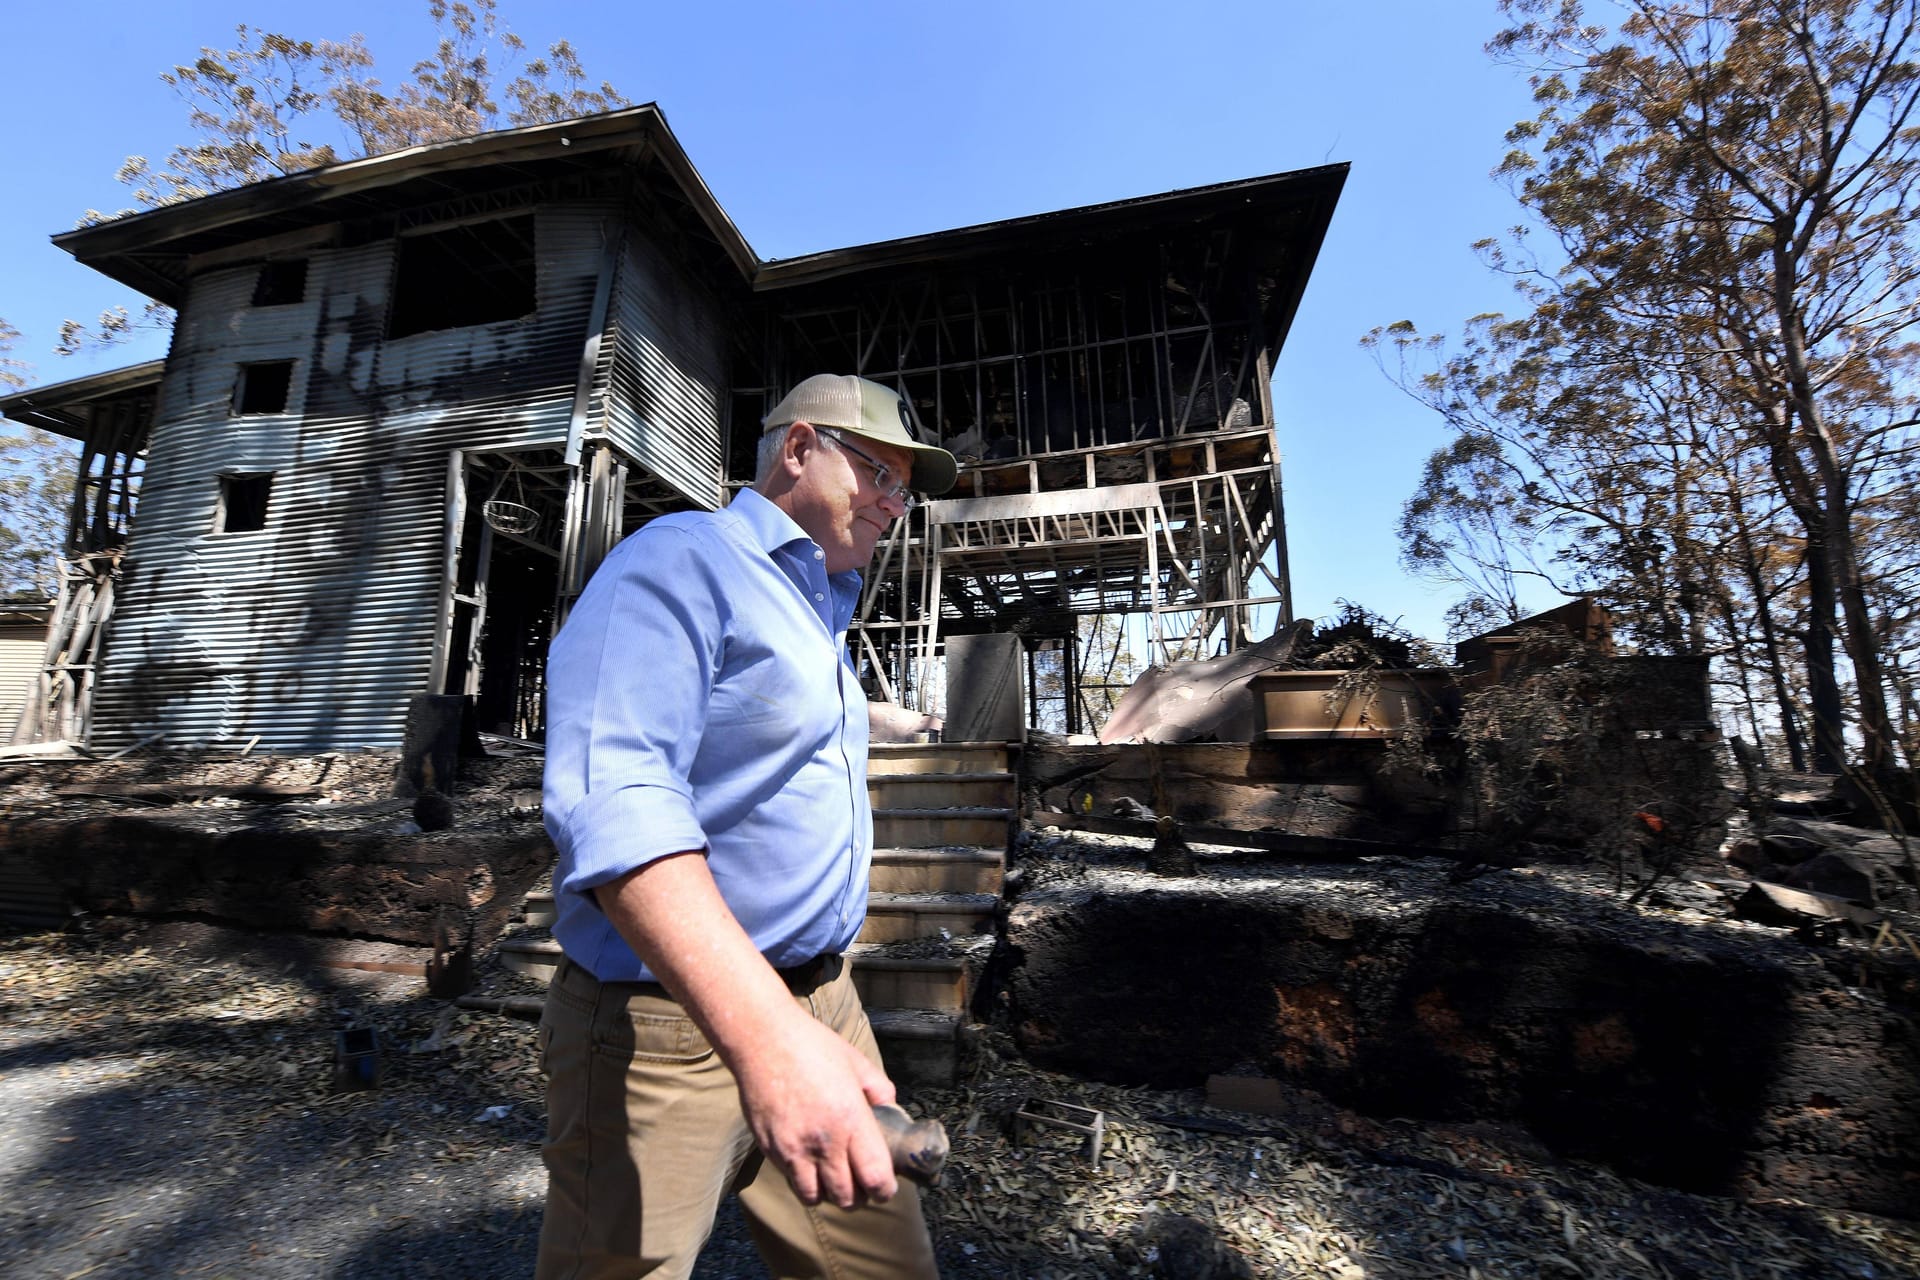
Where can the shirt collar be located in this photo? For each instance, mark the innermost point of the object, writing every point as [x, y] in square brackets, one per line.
[773, 530]
[770, 527]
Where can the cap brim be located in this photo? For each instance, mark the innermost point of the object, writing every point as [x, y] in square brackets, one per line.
[872, 411]
[934, 470]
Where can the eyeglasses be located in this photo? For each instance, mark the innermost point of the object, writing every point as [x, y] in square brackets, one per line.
[885, 479]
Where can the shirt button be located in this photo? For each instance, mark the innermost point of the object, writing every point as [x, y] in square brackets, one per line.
[818, 596]
[818, 554]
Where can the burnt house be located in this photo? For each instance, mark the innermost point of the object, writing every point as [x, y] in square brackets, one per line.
[412, 400]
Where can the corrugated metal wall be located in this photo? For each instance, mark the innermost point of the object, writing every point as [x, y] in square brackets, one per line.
[314, 631]
[23, 650]
[668, 377]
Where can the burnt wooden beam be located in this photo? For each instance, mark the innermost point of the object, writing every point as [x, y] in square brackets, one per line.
[186, 791]
[1304, 847]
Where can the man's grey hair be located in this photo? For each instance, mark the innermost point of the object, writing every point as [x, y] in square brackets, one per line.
[768, 456]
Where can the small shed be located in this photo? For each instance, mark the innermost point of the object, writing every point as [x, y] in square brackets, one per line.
[23, 647]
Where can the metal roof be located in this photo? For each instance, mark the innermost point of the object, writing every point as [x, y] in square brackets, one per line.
[1308, 193]
[154, 251]
[150, 250]
[51, 407]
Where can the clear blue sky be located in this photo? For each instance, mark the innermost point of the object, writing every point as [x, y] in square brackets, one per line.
[841, 122]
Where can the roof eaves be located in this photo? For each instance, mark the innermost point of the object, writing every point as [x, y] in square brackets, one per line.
[140, 233]
[42, 406]
[981, 237]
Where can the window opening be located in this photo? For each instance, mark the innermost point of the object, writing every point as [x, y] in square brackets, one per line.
[281, 283]
[243, 503]
[263, 387]
[466, 275]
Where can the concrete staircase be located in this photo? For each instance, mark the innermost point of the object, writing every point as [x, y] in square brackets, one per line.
[942, 817]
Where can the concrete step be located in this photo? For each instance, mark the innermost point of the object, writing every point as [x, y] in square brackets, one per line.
[909, 982]
[931, 982]
[940, 790]
[537, 958]
[937, 757]
[979, 826]
[894, 917]
[921, 1047]
[540, 910]
[948, 870]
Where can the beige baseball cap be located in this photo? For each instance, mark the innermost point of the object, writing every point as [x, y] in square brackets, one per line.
[865, 408]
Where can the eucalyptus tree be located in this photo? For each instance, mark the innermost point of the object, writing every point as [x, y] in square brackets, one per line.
[1739, 176]
[1575, 462]
[13, 372]
[1726, 190]
[36, 488]
[274, 104]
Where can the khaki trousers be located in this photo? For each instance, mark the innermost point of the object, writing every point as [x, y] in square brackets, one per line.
[645, 1135]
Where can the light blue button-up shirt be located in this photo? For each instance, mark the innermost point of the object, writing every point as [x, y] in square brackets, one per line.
[700, 697]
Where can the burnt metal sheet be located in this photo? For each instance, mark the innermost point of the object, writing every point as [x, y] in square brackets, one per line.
[312, 632]
[667, 378]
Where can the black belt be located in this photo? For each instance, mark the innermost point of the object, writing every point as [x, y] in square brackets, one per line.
[809, 974]
[801, 978]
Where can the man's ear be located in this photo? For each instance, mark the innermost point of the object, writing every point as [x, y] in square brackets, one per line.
[797, 446]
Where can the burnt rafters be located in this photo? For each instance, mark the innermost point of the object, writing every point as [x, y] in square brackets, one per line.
[942, 318]
[910, 330]
[1104, 375]
[863, 360]
[460, 205]
[964, 599]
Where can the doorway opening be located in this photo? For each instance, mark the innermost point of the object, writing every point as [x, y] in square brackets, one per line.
[505, 582]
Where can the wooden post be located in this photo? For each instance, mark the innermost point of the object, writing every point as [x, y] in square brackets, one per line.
[430, 756]
[449, 567]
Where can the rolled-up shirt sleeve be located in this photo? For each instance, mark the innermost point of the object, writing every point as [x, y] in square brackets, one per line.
[629, 680]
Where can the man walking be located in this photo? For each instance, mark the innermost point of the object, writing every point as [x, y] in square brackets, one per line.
[706, 789]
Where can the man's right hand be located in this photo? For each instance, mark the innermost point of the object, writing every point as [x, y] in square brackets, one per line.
[809, 1097]
[808, 1094]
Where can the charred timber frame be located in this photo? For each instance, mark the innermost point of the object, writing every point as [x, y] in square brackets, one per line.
[1115, 431]
[110, 415]
[1102, 372]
